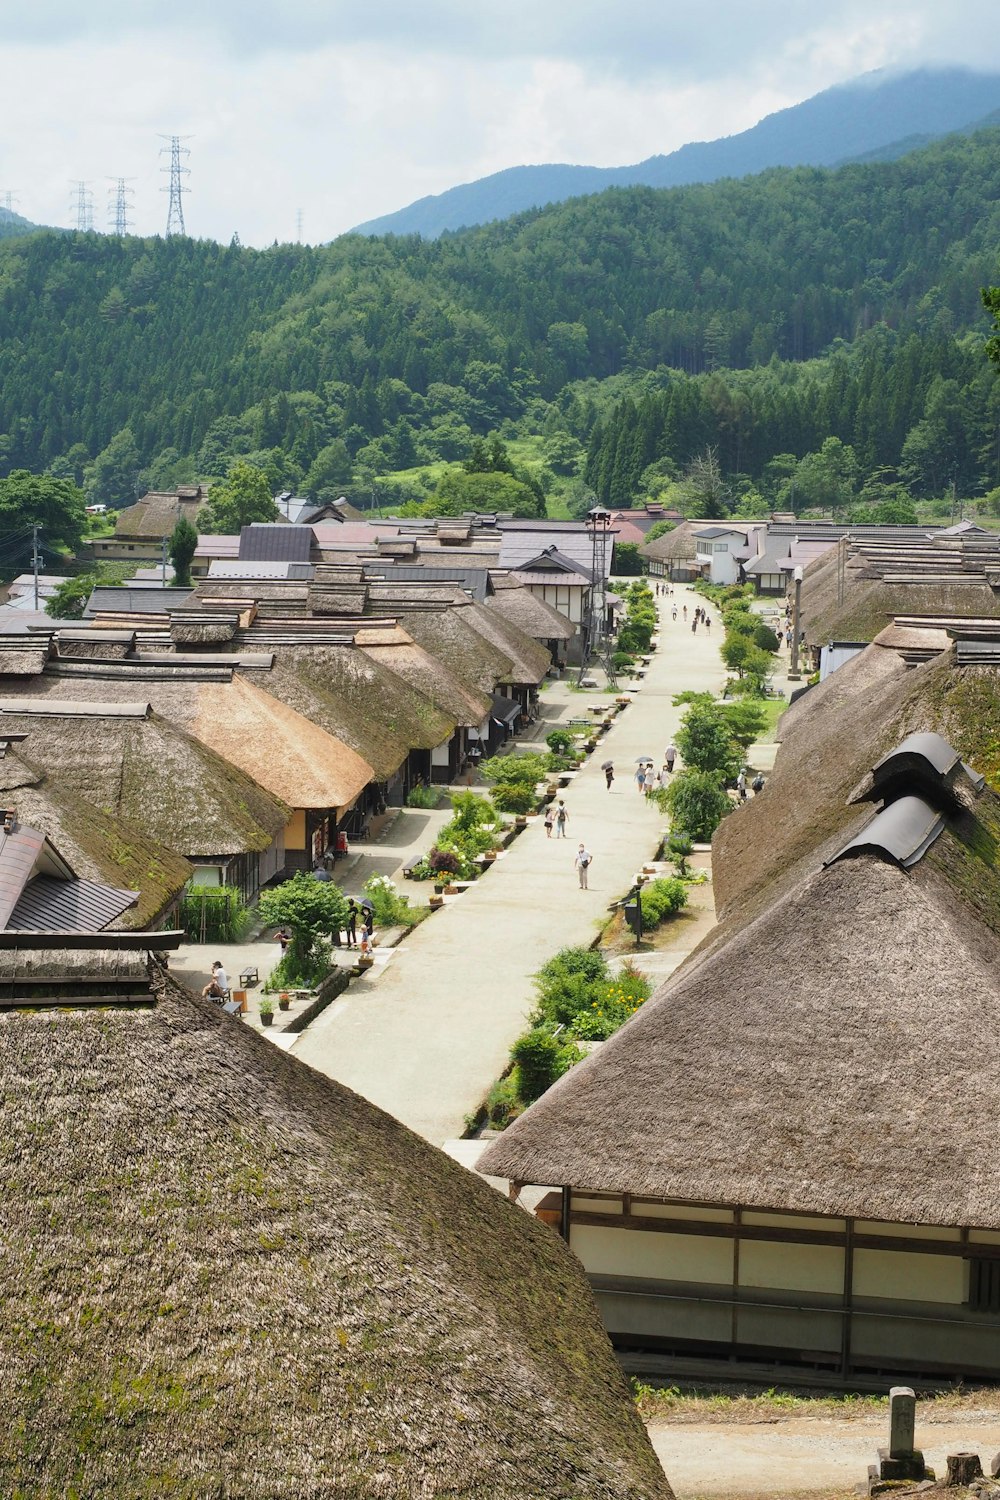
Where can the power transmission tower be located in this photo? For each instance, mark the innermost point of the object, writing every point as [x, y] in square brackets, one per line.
[298, 225]
[83, 198]
[175, 213]
[118, 197]
[8, 198]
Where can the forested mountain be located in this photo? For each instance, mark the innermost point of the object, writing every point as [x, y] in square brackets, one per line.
[152, 361]
[879, 115]
[12, 223]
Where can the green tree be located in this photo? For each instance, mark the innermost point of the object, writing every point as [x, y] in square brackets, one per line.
[703, 487]
[182, 546]
[627, 563]
[696, 803]
[311, 910]
[485, 491]
[658, 529]
[54, 505]
[113, 477]
[243, 497]
[70, 599]
[706, 742]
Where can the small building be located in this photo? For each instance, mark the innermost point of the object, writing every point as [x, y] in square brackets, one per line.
[720, 551]
[140, 529]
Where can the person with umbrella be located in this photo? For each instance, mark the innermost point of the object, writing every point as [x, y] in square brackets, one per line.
[609, 773]
[351, 927]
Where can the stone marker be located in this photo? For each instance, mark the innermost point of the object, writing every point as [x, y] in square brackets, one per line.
[902, 1421]
[901, 1460]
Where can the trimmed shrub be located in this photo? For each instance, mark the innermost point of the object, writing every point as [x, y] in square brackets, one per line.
[512, 797]
[539, 1061]
[696, 803]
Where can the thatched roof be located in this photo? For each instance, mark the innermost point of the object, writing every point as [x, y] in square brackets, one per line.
[520, 607]
[157, 513]
[834, 1056]
[442, 688]
[450, 635]
[227, 1274]
[530, 660]
[151, 773]
[673, 546]
[99, 845]
[855, 603]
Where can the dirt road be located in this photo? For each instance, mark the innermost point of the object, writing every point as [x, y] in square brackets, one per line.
[801, 1456]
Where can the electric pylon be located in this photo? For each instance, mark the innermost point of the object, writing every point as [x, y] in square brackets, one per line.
[118, 197]
[175, 213]
[8, 198]
[83, 198]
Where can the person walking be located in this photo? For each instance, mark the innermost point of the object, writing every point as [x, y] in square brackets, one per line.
[351, 925]
[741, 783]
[757, 784]
[694, 625]
[609, 776]
[685, 611]
[640, 778]
[549, 820]
[561, 818]
[708, 623]
[669, 756]
[582, 863]
[673, 612]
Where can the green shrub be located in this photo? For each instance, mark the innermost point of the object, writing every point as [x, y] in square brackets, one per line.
[622, 661]
[765, 638]
[612, 1003]
[310, 909]
[566, 984]
[696, 803]
[539, 1061]
[214, 914]
[529, 768]
[391, 909]
[423, 796]
[559, 741]
[502, 1103]
[660, 899]
[706, 742]
[512, 797]
[678, 847]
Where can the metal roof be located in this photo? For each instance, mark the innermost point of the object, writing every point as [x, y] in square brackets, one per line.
[48, 905]
[240, 568]
[474, 581]
[901, 833]
[135, 601]
[271, 541]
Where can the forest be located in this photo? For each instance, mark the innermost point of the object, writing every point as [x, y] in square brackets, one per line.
[622, 334]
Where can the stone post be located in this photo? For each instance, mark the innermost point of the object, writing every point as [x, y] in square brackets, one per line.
[902, 1421]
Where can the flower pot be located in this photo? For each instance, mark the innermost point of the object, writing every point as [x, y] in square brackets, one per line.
[267, 1018]
[365, 963]
[435, 903]
[451, 890]
[283, 1002]
[521, 821]
[438, 887]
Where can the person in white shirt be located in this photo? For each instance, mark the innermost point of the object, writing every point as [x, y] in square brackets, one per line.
[217, 986]
[582, 863]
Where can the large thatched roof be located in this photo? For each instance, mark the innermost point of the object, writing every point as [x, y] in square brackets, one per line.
[834, 1056]
[524, 609]
[449, 635]
[151, 773]
[228, 1275]
[674, 546]
[442, 687]
[855, 601]
[99, 845]
[529, 658]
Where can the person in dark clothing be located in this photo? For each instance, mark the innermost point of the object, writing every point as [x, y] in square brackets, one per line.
[609, 775]
[351, 925]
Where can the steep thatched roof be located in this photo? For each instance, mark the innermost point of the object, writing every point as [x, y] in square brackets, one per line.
[227, 1274]
[450, 635]
[674, 546]
[439, 686]
[353, 694]
[155, 776]
[856, 603]
[834, 1056]
[532, 615]
[530, 659]
[157, 513]
[99, 845]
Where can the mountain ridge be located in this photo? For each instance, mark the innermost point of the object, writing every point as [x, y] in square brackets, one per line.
[876, 116]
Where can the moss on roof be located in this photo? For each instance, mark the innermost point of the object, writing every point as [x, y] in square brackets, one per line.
[230, 1276]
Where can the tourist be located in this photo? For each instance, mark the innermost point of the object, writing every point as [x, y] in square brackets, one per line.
[582, 863]
[609, 776]
[757, 784]
[320, 872]
[282, 938]
[218, 986]
[549, 820]
[673, 612]
[669, 756]
[351, 925]
[640, 777]
[561, 818]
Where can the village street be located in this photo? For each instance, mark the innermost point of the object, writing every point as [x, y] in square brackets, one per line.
[425, 1036]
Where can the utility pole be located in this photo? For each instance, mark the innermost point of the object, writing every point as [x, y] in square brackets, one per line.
[9, 198]
[298, 225]
[163, 560]
[36, 561]
[175, 212]
[84, 201]
[118, 205]
[793, 671]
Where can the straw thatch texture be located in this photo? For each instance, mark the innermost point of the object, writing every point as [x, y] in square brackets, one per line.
[156, 515]
[155, 776]
[532, 615]
[228, 1275]
[835, 1056]
[441, 687]
[448, 635]
[25, 663]
[98, 845]
[674, 546]
[530, 660]
[870, 602]
[354, 695]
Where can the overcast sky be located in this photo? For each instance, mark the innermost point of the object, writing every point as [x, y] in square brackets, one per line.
[348, 109]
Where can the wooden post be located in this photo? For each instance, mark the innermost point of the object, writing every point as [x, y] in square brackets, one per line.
[963, 1468]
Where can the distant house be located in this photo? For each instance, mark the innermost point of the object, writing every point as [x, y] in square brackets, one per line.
[141, 528]
[721, 550]
[789, 1155]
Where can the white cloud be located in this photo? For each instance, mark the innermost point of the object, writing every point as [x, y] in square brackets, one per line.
[348, 110]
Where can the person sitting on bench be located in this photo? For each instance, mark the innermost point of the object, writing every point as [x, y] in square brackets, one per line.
[217, 987]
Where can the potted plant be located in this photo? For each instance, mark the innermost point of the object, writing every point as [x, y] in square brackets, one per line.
[267, 1011]
[284, 1000]
[435, 902]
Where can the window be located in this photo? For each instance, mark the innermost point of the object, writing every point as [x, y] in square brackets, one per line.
[984, 1285]
[720, 547]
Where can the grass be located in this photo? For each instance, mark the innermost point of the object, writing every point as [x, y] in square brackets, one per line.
[749, 1404]
[773, 708]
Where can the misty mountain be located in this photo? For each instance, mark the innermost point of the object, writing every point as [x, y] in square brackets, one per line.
[876, 117]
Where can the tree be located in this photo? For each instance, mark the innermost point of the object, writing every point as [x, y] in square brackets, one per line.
[696, 803]
[70, 599]
[703, 487]
[825, 480]
[243, 497]
[56, 506]
[658, 529]
[627, 563]
[885, 513]
[311, 910]
[745, 719]
[113, 477]
[458, 492]
[764, 637]
[706, 742]
[330, 469]
[182, 546]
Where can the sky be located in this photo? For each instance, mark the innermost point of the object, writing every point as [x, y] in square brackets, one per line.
[307, 117]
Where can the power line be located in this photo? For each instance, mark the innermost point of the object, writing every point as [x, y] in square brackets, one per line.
[83, 199]
[175, 212]
[118, 197]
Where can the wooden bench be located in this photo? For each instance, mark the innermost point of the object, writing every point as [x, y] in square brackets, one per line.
[248, 977]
